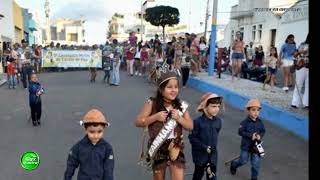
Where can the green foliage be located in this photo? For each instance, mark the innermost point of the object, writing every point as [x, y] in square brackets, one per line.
[162, 16]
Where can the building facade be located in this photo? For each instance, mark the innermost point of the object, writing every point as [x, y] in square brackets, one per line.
[6, 22]
[18, 23]
[265, 22]
[68, 31]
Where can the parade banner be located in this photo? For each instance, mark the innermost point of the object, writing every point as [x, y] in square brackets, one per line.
[72, 58]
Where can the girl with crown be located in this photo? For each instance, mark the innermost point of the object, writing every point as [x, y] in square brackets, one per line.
[155, 115]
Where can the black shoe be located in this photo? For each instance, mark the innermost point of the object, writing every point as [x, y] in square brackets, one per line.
[254, 178]
[34, 123]
[232, 169]
[293, 106]
[38, 122]
[306, 107]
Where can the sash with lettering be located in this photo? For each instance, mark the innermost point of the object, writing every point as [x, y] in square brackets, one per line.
[165, 132]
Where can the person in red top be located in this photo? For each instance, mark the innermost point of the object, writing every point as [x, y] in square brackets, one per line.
[130, 55]
[11, 71]
[133, 39]
[144, 59]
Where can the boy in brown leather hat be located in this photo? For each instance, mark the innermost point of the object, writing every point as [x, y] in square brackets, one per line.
[252, 130]
[204, 137]
[92, 153]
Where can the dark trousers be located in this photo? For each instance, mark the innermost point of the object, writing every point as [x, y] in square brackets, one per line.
[35, 111]
[26, 74]
[106, 76]
[200, 170]
[185, 75]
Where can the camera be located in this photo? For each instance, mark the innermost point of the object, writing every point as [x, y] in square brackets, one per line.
[258, 145]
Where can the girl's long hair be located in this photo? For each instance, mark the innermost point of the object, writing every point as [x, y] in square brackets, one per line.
[275, 54]
[158, 100]
[290, 36]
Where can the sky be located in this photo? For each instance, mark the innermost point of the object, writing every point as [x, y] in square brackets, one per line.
[97, 13]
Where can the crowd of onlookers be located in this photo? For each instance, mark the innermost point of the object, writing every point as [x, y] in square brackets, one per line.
[188, 54]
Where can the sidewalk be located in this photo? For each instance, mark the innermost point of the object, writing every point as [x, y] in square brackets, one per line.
[275, 106]
[3, 79]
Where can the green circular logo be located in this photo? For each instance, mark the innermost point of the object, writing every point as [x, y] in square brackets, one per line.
[30, 161]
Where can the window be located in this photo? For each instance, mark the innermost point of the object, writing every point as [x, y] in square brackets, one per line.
[242, 31]
[260, 32]
[254, 28]
[73, 37]
[232, 35]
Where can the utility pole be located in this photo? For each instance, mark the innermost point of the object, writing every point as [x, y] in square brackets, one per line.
[48, 29]
[213, 38]
[141, 16]
[206, 20]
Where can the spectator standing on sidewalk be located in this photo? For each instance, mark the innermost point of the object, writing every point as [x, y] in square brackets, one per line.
[195, 52]
[203, 50]
[259, 57]
[271, 64]
[302, 76]
[237, 55]
[250, 52]
[287, 52]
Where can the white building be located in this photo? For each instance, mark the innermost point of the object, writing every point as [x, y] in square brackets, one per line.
[68, 31]
[294, 22]
[6, 30]
[6, 22]
[260, 23]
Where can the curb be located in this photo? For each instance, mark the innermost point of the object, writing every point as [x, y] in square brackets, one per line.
[299, 125]
[2, 82]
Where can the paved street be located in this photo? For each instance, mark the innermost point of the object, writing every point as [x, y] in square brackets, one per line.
[69, 95]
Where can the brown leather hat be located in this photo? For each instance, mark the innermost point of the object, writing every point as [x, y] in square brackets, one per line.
[253, 103]
[94, 116]
[205, 98]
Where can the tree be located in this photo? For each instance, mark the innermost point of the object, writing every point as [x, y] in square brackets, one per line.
[162, 16]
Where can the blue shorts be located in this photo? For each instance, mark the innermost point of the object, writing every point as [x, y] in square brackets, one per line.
[272, 71]
[237, 56]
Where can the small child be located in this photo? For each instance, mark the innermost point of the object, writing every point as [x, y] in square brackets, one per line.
[252, 130]
[35, 92]
[130, 60]
[185, 65]
[271, 62]
[107, 67]
[92, 153]
[12, 71]
[144, 59]
[204, 137]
